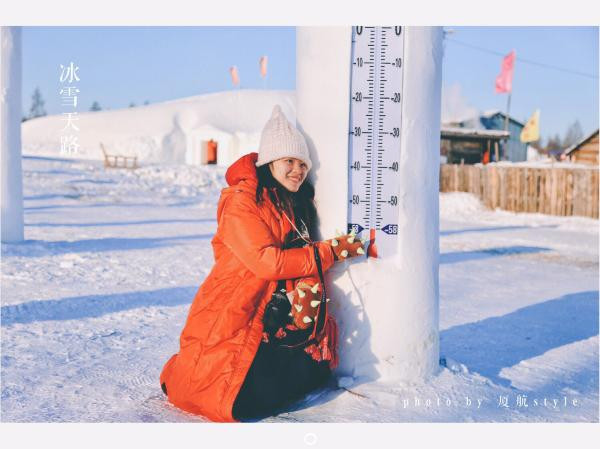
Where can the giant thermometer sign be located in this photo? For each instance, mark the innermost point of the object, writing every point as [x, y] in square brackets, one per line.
[375, 125]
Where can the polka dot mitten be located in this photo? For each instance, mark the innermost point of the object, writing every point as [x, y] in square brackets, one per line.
[305, 299]
[347, 246]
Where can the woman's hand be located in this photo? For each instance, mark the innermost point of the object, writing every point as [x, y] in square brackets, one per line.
[305, 299]
[347, 246]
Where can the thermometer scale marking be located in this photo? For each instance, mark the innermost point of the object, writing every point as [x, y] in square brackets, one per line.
[374, 143]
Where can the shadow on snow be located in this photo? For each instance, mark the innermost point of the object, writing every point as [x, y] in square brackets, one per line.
[489, 345]
[40, 248]
[463, 256]
[123, 223]
[492, 229]
[93, 306]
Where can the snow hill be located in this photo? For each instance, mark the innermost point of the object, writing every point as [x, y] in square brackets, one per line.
[168, 132]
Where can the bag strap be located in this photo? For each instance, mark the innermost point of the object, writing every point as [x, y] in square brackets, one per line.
[321, 312]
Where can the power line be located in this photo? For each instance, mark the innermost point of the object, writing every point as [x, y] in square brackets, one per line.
[526, 61]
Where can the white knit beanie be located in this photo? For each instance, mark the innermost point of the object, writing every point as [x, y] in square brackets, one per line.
[280, 139]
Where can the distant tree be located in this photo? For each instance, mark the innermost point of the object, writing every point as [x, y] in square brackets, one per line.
[553, 147]
[574, 134]
[95, 106]
[554, 144]
[132, 105]
[37, 104]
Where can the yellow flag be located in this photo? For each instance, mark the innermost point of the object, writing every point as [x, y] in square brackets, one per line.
[531, 132]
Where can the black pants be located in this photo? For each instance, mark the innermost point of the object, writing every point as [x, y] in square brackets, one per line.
[277, 376]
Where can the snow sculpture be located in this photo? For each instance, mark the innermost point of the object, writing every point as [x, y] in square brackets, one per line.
[387, 308]
[10, 134]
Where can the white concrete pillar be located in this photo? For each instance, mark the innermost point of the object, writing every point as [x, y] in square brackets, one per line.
[387, 309]
[10, 134]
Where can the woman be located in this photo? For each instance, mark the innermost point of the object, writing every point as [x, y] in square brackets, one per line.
[228, 368]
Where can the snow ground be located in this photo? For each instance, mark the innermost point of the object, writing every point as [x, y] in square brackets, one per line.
[94, 300]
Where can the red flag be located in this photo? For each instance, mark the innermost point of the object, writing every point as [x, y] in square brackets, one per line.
[504, 80]
[263, 66]
[235, 78]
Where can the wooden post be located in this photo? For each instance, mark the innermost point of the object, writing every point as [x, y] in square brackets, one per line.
[595, 193]
[542, 191]
[554, 194]
[571, 190]
[588, 193]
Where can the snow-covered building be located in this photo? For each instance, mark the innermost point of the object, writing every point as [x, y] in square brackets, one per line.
[177, 131]
[511, 149]
[200, 138]
[470, 145]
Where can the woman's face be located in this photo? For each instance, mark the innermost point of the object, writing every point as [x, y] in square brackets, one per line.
[290, 172]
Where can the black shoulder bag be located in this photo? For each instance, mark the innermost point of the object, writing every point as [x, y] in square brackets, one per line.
[277, 315]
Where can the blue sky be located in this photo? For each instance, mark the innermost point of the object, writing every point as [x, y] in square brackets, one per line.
[120, 65]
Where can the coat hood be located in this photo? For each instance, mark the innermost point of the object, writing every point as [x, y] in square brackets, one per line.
[244, 169]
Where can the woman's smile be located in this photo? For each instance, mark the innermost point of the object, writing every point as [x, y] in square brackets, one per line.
[290, 172]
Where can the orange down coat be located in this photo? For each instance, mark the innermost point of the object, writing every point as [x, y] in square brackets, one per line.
[224, 325]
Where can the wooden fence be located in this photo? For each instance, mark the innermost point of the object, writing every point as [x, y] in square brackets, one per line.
[553, 190]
